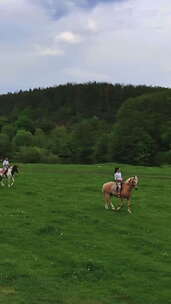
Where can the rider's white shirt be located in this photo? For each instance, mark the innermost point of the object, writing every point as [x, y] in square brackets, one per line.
[118, 176]
[5, 163]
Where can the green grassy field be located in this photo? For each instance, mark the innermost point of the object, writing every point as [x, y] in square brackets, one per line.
[58, 245]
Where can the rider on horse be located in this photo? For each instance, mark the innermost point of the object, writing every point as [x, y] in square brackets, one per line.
[6, 165]
[118, 179]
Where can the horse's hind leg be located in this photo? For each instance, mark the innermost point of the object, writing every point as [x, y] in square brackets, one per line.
[106, 198]
[108, 201]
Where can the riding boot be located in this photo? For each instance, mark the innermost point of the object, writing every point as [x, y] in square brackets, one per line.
[5, 172]
[119, 195]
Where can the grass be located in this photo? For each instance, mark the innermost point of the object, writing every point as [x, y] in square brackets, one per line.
[58, 245]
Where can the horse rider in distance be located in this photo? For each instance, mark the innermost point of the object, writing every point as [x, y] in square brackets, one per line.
[118, 179]
[5, 165]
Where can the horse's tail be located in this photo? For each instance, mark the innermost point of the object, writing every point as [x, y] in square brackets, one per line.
[103, 188]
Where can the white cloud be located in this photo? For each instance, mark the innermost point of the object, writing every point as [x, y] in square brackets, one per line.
[92, 25]
[77, 72]
[47, 51]
[68, 37]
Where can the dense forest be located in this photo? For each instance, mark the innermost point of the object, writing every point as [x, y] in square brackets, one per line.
[87, 123]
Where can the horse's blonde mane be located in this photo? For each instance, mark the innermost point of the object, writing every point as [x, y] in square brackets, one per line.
[135, 178]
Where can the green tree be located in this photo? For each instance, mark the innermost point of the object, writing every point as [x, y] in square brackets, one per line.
[23, 138]
[29, 154]
[5, 145]
[131, 145]
[137, 136]
[166, 136]
[35, 155]
[25, 122]
[59, 143]
[84, 137]
[40, 139]
[9, 129]
[3, 121]
[101, 149]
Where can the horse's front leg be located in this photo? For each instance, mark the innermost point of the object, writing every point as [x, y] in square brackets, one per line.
[120, 204]
[9, 182]
[129, 206]
[12, 183]
[2, 183]
[9, 185]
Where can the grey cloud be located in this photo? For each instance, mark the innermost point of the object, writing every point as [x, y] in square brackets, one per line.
[58, 9]
[122, 41]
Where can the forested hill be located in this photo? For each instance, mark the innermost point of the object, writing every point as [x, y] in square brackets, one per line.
[84, 123]
[71, 102]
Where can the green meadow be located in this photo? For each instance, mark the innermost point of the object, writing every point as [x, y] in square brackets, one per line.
[58, 245]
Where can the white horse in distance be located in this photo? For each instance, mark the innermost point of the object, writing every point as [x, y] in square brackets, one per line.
[8, 176]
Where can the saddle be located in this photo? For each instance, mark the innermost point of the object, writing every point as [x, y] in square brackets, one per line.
[4, 172]
[116, 189]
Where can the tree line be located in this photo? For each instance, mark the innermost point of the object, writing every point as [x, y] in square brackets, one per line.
[87, 123]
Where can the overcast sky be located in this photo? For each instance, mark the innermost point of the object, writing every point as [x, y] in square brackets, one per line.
[49, 42]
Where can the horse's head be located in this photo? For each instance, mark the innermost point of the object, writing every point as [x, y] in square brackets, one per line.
[133, 181]
[14, 170]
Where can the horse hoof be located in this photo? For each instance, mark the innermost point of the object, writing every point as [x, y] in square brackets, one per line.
[130, 212]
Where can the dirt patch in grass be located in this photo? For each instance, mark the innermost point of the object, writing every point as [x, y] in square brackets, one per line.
[6, 290]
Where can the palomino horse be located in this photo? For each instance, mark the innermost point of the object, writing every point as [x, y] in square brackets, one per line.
[9, 175]
[110, 189]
